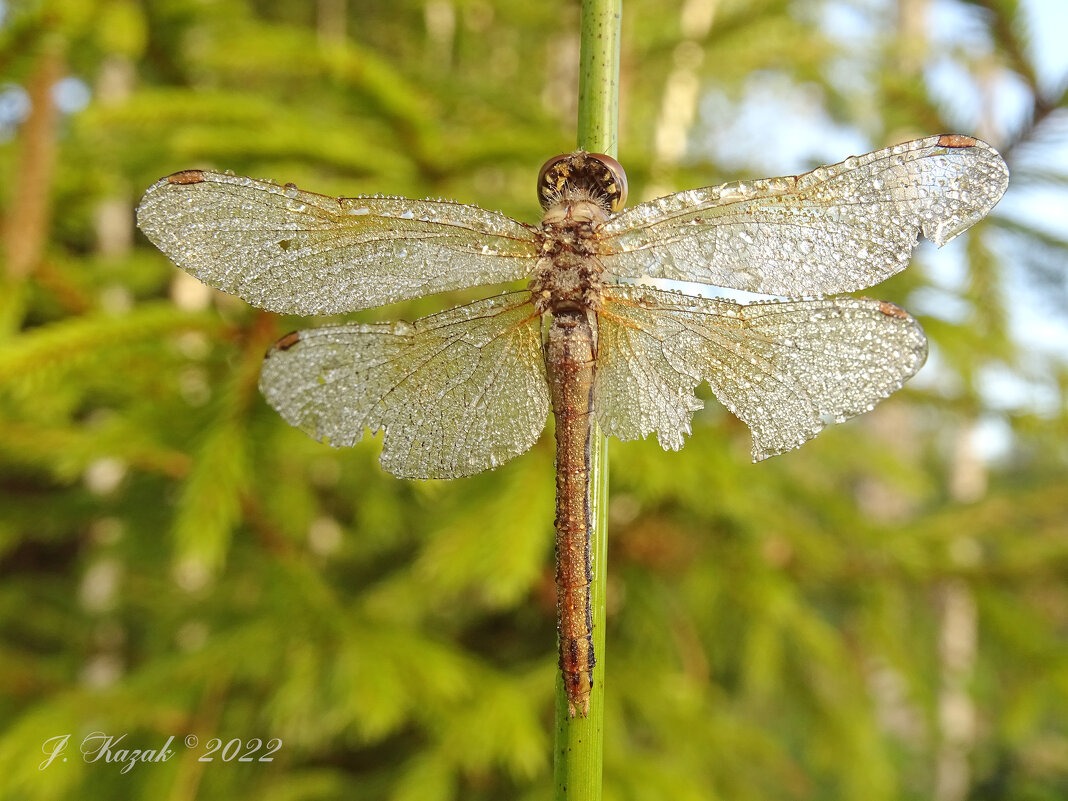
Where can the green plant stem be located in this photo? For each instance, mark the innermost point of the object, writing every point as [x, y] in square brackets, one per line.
[579, 743]
[598, 105]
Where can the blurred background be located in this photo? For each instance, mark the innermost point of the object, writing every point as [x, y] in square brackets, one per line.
[880, 615]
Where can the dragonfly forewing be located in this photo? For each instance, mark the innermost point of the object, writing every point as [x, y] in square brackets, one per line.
[786, 369]
[295, 252]
[836, 229]
[455, 393]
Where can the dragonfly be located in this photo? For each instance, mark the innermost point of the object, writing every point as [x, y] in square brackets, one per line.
[592, 337]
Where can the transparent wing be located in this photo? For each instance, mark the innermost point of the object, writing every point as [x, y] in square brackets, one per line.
[454, 393]
[296, 252]
[835, 229]
[786, 369]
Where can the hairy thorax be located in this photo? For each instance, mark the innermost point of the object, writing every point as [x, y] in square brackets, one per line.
[568, 273]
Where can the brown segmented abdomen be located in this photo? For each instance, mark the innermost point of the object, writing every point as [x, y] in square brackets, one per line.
[570, 360]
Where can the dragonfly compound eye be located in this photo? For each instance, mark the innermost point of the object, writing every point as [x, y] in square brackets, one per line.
[599, 177]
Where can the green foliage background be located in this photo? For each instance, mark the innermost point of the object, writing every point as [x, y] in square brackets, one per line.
[880, 615]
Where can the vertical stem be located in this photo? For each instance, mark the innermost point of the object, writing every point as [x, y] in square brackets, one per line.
[598, 106]
[579, 743]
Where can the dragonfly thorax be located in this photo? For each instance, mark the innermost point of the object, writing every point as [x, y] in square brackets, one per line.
[568, 273]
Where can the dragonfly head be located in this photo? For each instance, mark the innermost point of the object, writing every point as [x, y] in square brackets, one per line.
[586, 176]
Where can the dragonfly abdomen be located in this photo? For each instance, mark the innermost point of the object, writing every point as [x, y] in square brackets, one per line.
[571, 366]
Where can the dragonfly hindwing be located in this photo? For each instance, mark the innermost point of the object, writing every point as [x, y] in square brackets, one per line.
[786, 368]
[455, 393]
